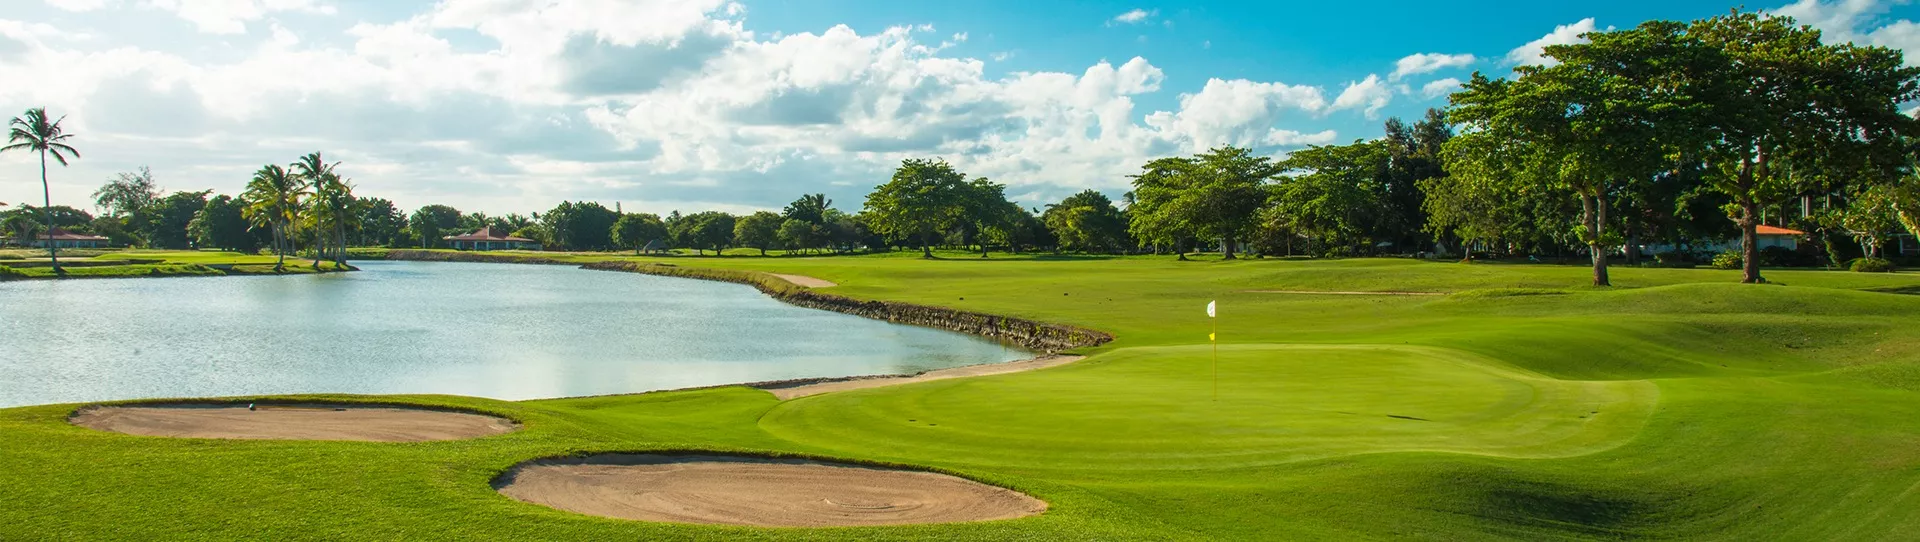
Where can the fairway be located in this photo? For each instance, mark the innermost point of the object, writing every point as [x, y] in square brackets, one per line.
[1519, 405]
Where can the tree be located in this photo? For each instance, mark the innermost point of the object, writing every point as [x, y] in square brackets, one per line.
[380, 222]
[128, 193]
[1612, 113]
[795, 233]
[635, 230]
[166, 223]
[810, 208]
[759, 230]
[1213, 195]
[1337, 196]
[1415, 155]
[704, 230]
[1087, 222]
[584, 225]
[330, 211]
[924, 198]
[33, 133]
[273, 197]
[1788, 109]
[221, 223]
[432, 222]
[986, 213]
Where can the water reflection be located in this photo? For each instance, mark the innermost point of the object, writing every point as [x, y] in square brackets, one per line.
[502, 331]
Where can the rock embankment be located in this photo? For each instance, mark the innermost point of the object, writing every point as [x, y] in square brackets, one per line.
[1029, 334]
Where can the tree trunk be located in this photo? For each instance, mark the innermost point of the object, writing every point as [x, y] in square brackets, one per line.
[1749, 244]
[46, 210]
[983, 248]
[1592, 213]
[1180, 247]
[1226, 247]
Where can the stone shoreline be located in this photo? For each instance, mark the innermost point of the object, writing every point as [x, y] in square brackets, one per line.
[1033, 335]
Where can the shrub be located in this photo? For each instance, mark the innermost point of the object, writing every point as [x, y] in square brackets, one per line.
[10, 273]
[1870, 265]
[1727, 260]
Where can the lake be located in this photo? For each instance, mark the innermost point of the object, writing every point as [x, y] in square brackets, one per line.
[491, 330]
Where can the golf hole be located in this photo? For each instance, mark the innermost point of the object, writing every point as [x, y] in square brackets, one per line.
[762, 492]
[304, 421]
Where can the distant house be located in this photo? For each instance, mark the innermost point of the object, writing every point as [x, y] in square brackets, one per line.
[1764, 237]
[65, 239]
[1769, 236]
[486, 239]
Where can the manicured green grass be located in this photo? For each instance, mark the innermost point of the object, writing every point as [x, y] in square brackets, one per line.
[1524, 406]
[167, 263]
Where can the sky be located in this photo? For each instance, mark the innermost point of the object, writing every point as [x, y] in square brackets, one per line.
[505, 106]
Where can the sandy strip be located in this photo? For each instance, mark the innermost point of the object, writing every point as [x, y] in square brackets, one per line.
[785, 391]
[757, 492]
[292, 422]
[803, 280]
[1318, 292]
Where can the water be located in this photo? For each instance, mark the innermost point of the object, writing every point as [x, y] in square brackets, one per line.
[490, 330]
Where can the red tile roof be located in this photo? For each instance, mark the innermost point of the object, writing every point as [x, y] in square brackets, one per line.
[486, 234]
[1764, 229]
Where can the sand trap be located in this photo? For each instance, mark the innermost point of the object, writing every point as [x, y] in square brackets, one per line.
[793, 391]
[757, 492]
[292, 422]
[803, 280]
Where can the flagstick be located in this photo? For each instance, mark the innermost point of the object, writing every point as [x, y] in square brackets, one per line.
[1214, 337]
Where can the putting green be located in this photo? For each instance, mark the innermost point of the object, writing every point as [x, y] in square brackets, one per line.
[1154, 408]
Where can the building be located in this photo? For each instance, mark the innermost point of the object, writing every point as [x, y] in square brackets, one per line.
[66, 239]
[1770, 236]
[1764, 237]
[486, 239]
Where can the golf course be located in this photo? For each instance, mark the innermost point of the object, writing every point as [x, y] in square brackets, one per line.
[1514, 402]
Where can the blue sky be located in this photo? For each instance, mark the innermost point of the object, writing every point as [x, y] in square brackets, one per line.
[512, 105]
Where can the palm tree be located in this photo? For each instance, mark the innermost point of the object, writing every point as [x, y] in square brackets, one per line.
[313, 173]
[273, 196]
[34, 134]
[331, 212]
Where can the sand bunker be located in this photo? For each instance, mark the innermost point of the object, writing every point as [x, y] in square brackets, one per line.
[803, 280]
[757, 492]
[292, 422]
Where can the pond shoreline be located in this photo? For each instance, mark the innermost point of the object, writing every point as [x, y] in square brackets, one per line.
[1040, 337]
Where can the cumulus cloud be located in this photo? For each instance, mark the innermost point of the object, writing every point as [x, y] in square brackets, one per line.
[659, 104]
[1858, 21]
[232, 16]
[78, 5]
[1439, 88]
[1134, 16]
[1368, 95]
[1420, 63]
[1534, 52]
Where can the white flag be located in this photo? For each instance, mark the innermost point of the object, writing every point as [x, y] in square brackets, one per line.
[1210, 309]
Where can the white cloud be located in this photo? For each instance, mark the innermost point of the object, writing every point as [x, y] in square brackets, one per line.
[78, 5]
[1420, 63]
[232, 16]
[502, 106]
[1368, 95]
[1858, 21]
[1533, 53]
[1135, 16]
[1440, 88]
